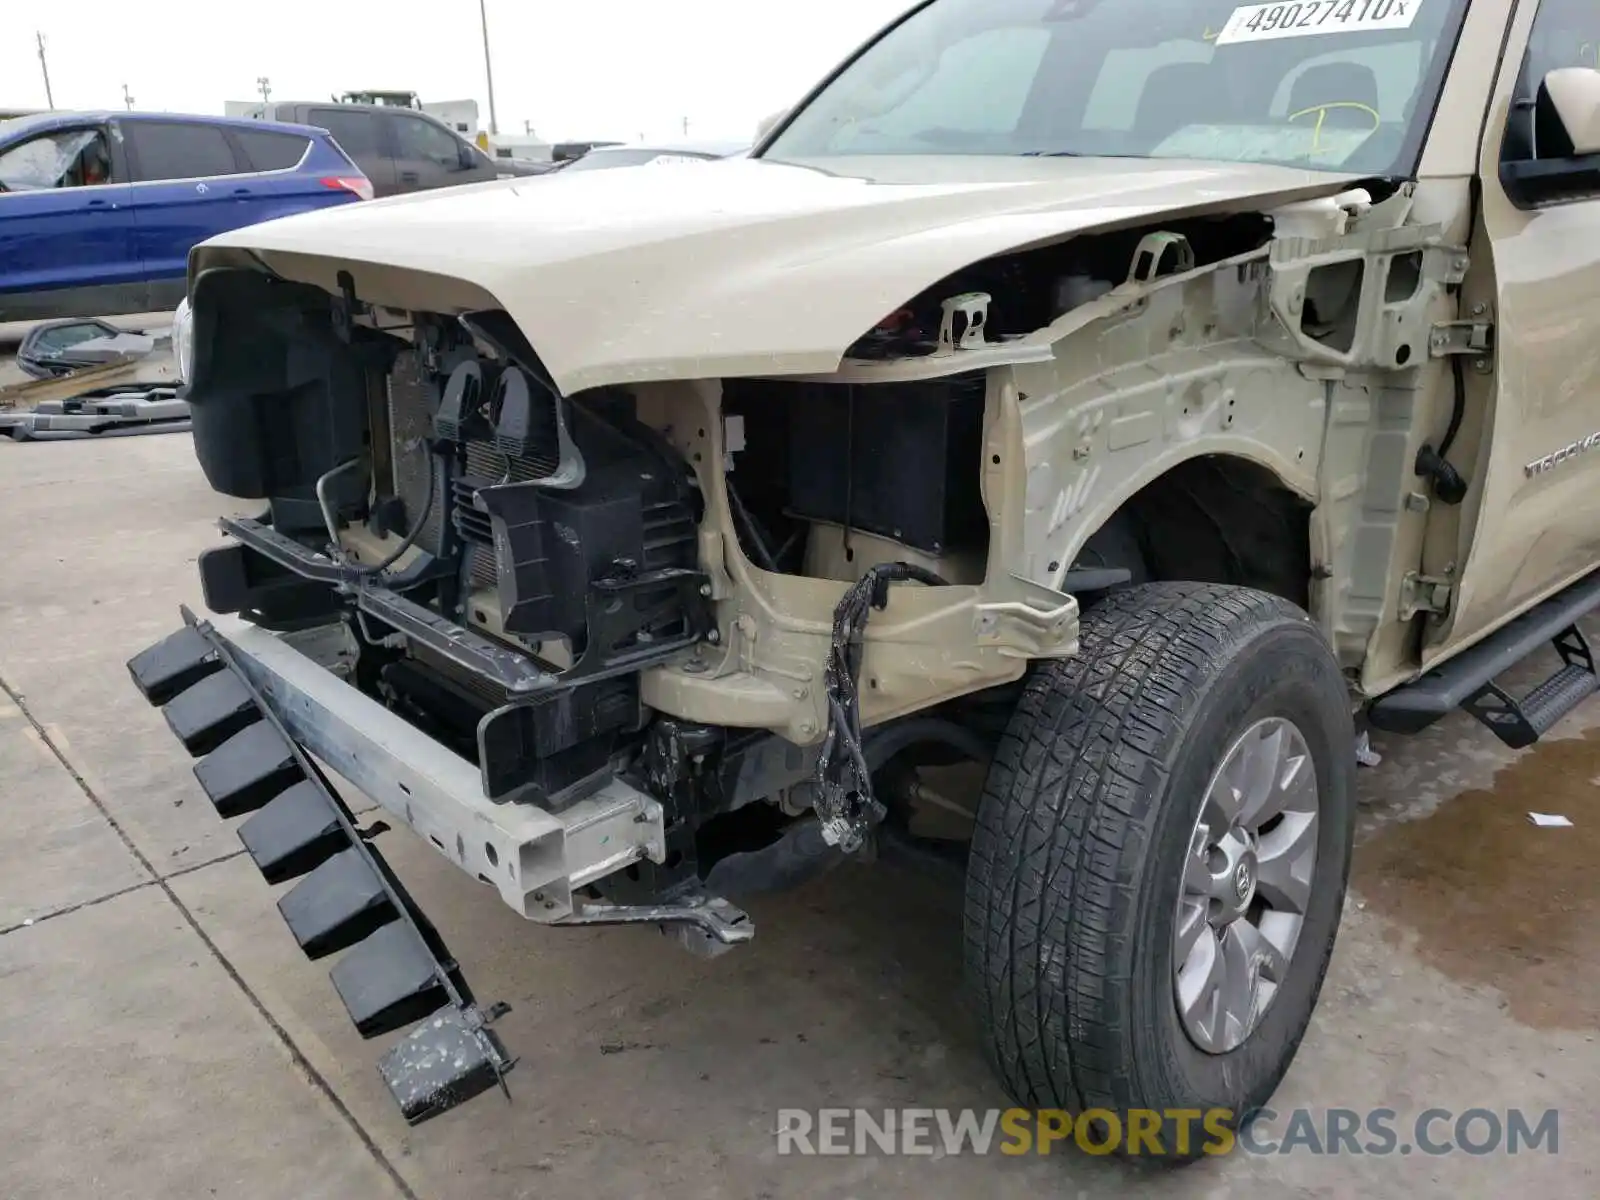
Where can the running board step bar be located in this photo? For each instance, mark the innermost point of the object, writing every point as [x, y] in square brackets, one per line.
[394, 970]
[1467, 681]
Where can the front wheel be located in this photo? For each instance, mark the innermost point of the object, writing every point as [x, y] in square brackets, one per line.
[1160, 862]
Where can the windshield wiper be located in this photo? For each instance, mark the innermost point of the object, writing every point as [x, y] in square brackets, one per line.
[1074, 154]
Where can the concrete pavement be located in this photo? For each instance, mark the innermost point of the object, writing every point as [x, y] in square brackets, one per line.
[164, 1036]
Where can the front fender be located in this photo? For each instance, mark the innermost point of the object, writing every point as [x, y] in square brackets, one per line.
[1127, 399]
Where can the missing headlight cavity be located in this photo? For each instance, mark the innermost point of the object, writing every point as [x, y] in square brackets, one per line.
[835, 478]
[1333, 303]
[1030, 289]
[1332, 310]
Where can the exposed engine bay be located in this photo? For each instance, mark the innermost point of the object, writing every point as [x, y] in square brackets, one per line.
[750, 598]
[557, 588]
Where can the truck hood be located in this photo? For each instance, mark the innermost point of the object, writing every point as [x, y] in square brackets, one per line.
[727, 268]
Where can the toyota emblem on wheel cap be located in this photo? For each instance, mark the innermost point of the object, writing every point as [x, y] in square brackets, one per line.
[1243, 880]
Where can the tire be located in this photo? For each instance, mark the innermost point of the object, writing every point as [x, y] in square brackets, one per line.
[1084, 835]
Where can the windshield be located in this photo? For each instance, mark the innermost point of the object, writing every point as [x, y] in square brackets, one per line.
[1345, 85]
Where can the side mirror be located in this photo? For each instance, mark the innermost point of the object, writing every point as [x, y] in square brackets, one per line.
[1552, 150]
[466, 160]
[1575, 96]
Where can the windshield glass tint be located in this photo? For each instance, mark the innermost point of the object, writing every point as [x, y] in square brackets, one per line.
[1338, 84]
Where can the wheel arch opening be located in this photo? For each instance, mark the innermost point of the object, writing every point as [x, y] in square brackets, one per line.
[1217, 518]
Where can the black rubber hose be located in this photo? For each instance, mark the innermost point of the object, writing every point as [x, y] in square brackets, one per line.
[1458, 407]
[410, 539]
[758, 544]
[1458, 376]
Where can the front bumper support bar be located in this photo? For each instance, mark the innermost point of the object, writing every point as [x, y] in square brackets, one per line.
[265, 712]
[396, 969]
[516, 673]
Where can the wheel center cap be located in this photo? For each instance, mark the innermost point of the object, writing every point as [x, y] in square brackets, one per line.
[1244, 881]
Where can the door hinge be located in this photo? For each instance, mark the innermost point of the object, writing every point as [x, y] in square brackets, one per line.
[1425, 594]
[1473, 337]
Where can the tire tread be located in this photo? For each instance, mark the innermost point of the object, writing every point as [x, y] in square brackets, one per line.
[1069, 799]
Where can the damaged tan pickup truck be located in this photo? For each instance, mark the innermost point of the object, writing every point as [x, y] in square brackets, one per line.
[1124, 397]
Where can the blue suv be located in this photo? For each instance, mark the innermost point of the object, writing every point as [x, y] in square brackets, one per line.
[98, 211]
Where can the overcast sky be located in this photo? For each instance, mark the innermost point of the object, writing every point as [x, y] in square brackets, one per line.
[574, 68]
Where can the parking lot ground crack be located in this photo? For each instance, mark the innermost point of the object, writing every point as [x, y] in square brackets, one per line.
[69, 909]
[201, 866]
[157, 879]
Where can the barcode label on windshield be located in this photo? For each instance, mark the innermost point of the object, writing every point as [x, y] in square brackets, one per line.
[1306, 18]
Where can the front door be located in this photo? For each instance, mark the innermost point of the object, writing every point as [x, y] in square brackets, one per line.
[427, 155]
[1537, 526]
[66, 228]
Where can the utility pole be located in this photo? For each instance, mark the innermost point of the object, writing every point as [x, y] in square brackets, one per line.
[488, 67]
[127, 99]
[264, 85]
[49, 100]
[686, 127]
